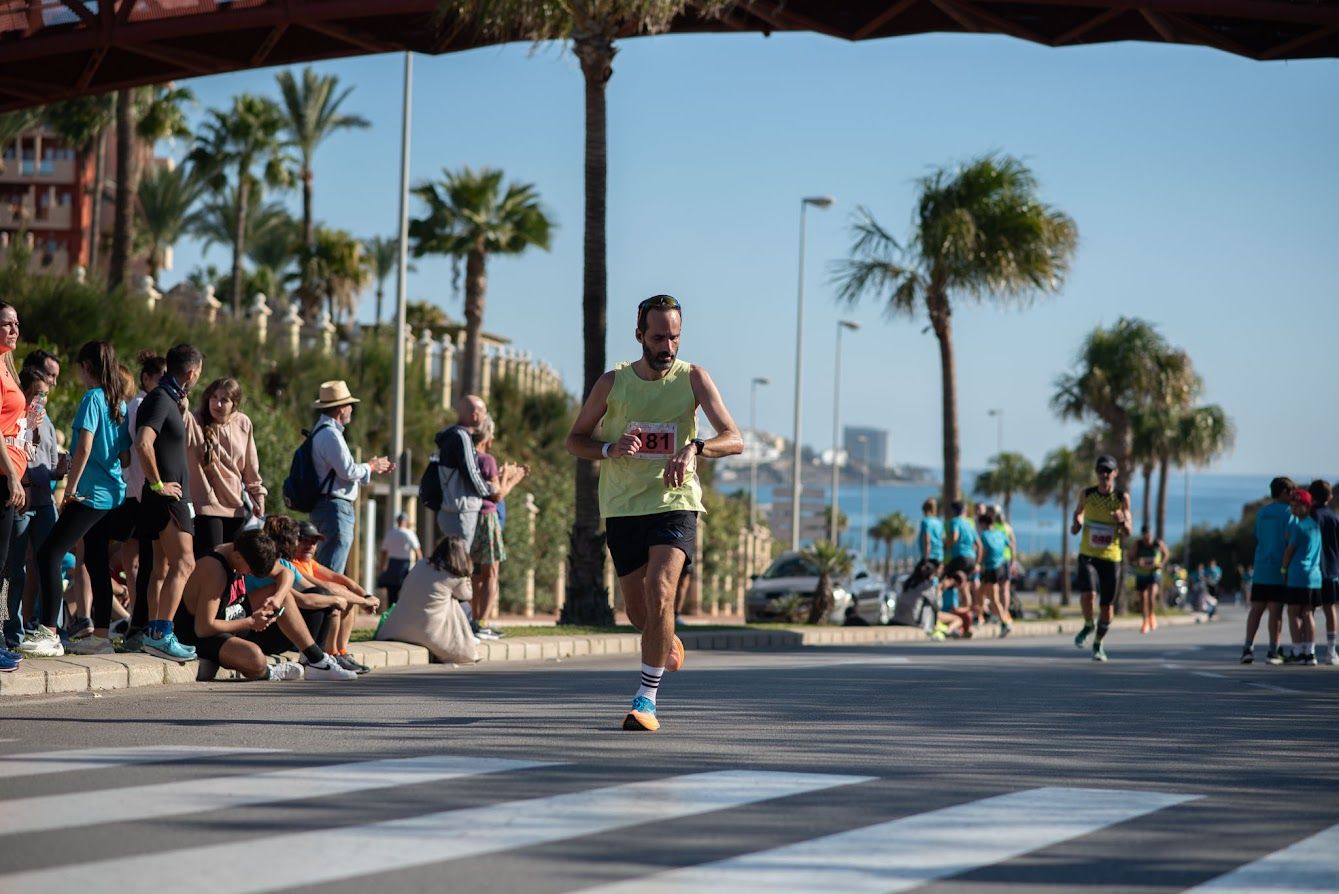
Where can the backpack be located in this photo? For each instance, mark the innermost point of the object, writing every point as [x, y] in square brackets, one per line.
[302, 489]
[430, 485]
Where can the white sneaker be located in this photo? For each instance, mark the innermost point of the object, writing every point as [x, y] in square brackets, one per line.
[42, 643]
[286, 670]
[91, 645]
[1333, 657]
[327, 669]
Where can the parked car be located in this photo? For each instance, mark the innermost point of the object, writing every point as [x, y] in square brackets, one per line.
[1049, 577]
[785, 592]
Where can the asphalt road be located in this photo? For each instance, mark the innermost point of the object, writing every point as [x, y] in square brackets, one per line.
[981, 766]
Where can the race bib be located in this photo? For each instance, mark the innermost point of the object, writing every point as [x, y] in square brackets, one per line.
[1101, 536]
[235, 612]
[660, 440]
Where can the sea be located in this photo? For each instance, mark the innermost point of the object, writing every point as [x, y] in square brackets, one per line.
[1193, 500]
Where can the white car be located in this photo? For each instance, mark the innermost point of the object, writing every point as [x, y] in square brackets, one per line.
[785, 591]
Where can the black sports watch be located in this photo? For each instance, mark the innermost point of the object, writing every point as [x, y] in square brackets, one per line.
[699, 445]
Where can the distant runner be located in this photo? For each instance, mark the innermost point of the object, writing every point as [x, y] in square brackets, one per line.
[1150, 554]
[641, 418]
[1103, 516]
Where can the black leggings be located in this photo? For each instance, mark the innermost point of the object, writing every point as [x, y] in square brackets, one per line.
[77, 522]
[213, 530]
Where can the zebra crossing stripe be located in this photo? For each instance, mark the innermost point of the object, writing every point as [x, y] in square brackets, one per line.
[913, 851]
[222, 793]
[1309, 865]
[310, 858]
[101, 758]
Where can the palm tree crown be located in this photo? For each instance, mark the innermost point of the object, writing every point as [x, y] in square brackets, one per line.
[1009, 473]
[980, 233]
[164, 210]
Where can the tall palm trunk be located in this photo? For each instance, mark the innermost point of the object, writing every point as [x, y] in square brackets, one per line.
[1123, 434]
[239, 242]
[124, 215]
[381, 295]
[587, 601]
[95, 219]
[1163, 463]
[1065, 581]
[308, 228]
[1147, 470]
[941, 320]
[476, 282]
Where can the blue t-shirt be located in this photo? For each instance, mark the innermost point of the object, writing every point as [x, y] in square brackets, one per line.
[965, 547]
[254, 582]
[1304, 569]
[1328, 522]
[934, 526]
[950, 599]
[1272, 524]
[100, 484]
[994, 543]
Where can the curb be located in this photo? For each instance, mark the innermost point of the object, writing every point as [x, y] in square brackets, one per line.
[97, 673]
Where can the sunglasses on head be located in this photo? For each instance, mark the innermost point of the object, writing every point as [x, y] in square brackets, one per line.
[656, 302]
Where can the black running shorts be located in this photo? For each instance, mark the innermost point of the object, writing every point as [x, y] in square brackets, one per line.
[1329, 592]
[1100, 576]
[1304, 596]
[630, 537]
[994, 575]
[965, 564]
[1267, 592]
[157, 511]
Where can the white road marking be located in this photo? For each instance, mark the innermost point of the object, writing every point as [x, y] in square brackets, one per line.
[1272, 688]
[913, 851]
[1172, 667]
[310, 858]
[1209, 674]
[39, 762]
[225, 792]
[1309, 865]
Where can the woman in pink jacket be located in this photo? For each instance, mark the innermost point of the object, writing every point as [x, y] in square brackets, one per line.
[225, 471]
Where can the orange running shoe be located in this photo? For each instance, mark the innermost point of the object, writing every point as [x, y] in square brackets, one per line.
[676, 655]
[1152, 622]
[642, 717]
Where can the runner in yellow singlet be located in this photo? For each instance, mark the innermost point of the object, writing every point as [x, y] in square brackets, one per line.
[641, 420]
[1103, 516]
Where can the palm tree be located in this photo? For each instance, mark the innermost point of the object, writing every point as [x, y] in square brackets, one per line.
[591, 26]
[892, 528]
[831, 561]
[1120, 371]
[1008, 474]
[273, 246]
[471, 216]
[82, 123]
[233, 143]
[15, 124]
[1199, 436]
[383, 254]
[980, 233]
[311, 113]
[337, 270]
[164, 210]
[1059, 478]
[143, 115]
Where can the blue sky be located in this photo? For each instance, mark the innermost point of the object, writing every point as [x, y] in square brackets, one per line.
[1203, 185]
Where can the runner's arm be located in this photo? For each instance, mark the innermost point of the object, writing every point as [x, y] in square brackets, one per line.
[581, 441]
[727, 440]
[202, 594]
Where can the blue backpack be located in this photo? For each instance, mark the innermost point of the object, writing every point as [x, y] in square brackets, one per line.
[302, 488]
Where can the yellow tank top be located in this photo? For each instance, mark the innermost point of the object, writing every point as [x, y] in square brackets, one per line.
[1101, 537]
[666, 413]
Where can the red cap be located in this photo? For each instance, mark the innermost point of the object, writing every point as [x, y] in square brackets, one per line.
[1302, 496]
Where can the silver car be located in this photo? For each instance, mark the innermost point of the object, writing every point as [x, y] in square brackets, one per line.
[785, 592]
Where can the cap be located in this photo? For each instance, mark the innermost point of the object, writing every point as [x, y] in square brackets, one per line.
[309, 531]
[1106, 463]
[1302, 496]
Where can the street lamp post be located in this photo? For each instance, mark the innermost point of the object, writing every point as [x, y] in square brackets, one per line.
[397, 402]
[863, 441]
[836, 421]
[999, 429]
[817, 202]
[753, 453]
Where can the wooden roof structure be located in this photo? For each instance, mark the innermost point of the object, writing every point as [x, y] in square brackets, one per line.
[57, 49]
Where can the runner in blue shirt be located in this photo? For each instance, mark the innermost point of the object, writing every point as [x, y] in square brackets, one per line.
[1328, 521]
[994, 568]
[1271, 536]
[931, 534]
[1301, 565]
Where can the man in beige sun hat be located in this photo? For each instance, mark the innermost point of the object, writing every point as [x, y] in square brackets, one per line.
[339, 474]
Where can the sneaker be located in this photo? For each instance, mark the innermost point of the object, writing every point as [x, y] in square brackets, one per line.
[133, 642]
[1152, 622]
[1274, 657]
[167, 646]
[1247, 656]
[8, 662]
[1082, 636]
[118, 629]
[286, 670]
[642, 716]
[1004, 630]
[486, 633]
[42, 643]
[327, 669]
[1144, 627]
[938, 635]
[347, 662]
[676, 655]
[79, 628]
[90, 645]
[1333, 657]
[1099, 653]
[1308, 660]
[1290, 657]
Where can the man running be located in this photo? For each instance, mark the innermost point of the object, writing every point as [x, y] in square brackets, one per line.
[1103, 516]
[1150, 554]
[641, 418]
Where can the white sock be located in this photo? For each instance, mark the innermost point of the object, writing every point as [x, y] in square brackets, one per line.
[650, 682]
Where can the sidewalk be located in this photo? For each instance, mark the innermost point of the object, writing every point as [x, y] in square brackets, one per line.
[80, 673]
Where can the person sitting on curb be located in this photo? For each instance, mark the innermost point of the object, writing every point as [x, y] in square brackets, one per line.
[220, 621]
[954, 616]
[433, 605]
[325, 587]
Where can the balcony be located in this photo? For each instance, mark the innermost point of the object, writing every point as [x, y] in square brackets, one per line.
[28, 170]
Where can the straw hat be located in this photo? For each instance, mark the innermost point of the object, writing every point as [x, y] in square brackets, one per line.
[334, 394]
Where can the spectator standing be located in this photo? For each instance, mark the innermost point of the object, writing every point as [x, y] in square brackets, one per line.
[488, 550]
[400, 549]
[1213, 576]
[166, 515]
[1273, 523]
[930, 537]
[13, 458]
[333, 514]
[137, 552]
[1302, 578]
[95, 488]
[464, 487]
[224, 467]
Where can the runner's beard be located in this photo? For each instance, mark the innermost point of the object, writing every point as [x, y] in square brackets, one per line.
[658, 361]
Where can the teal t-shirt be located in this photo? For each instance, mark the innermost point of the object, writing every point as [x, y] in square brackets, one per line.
[965, 528]
[1273, 523]
[100, 484]
[1304, 569]
[994, 544]
[933, 526]
[254, 583]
